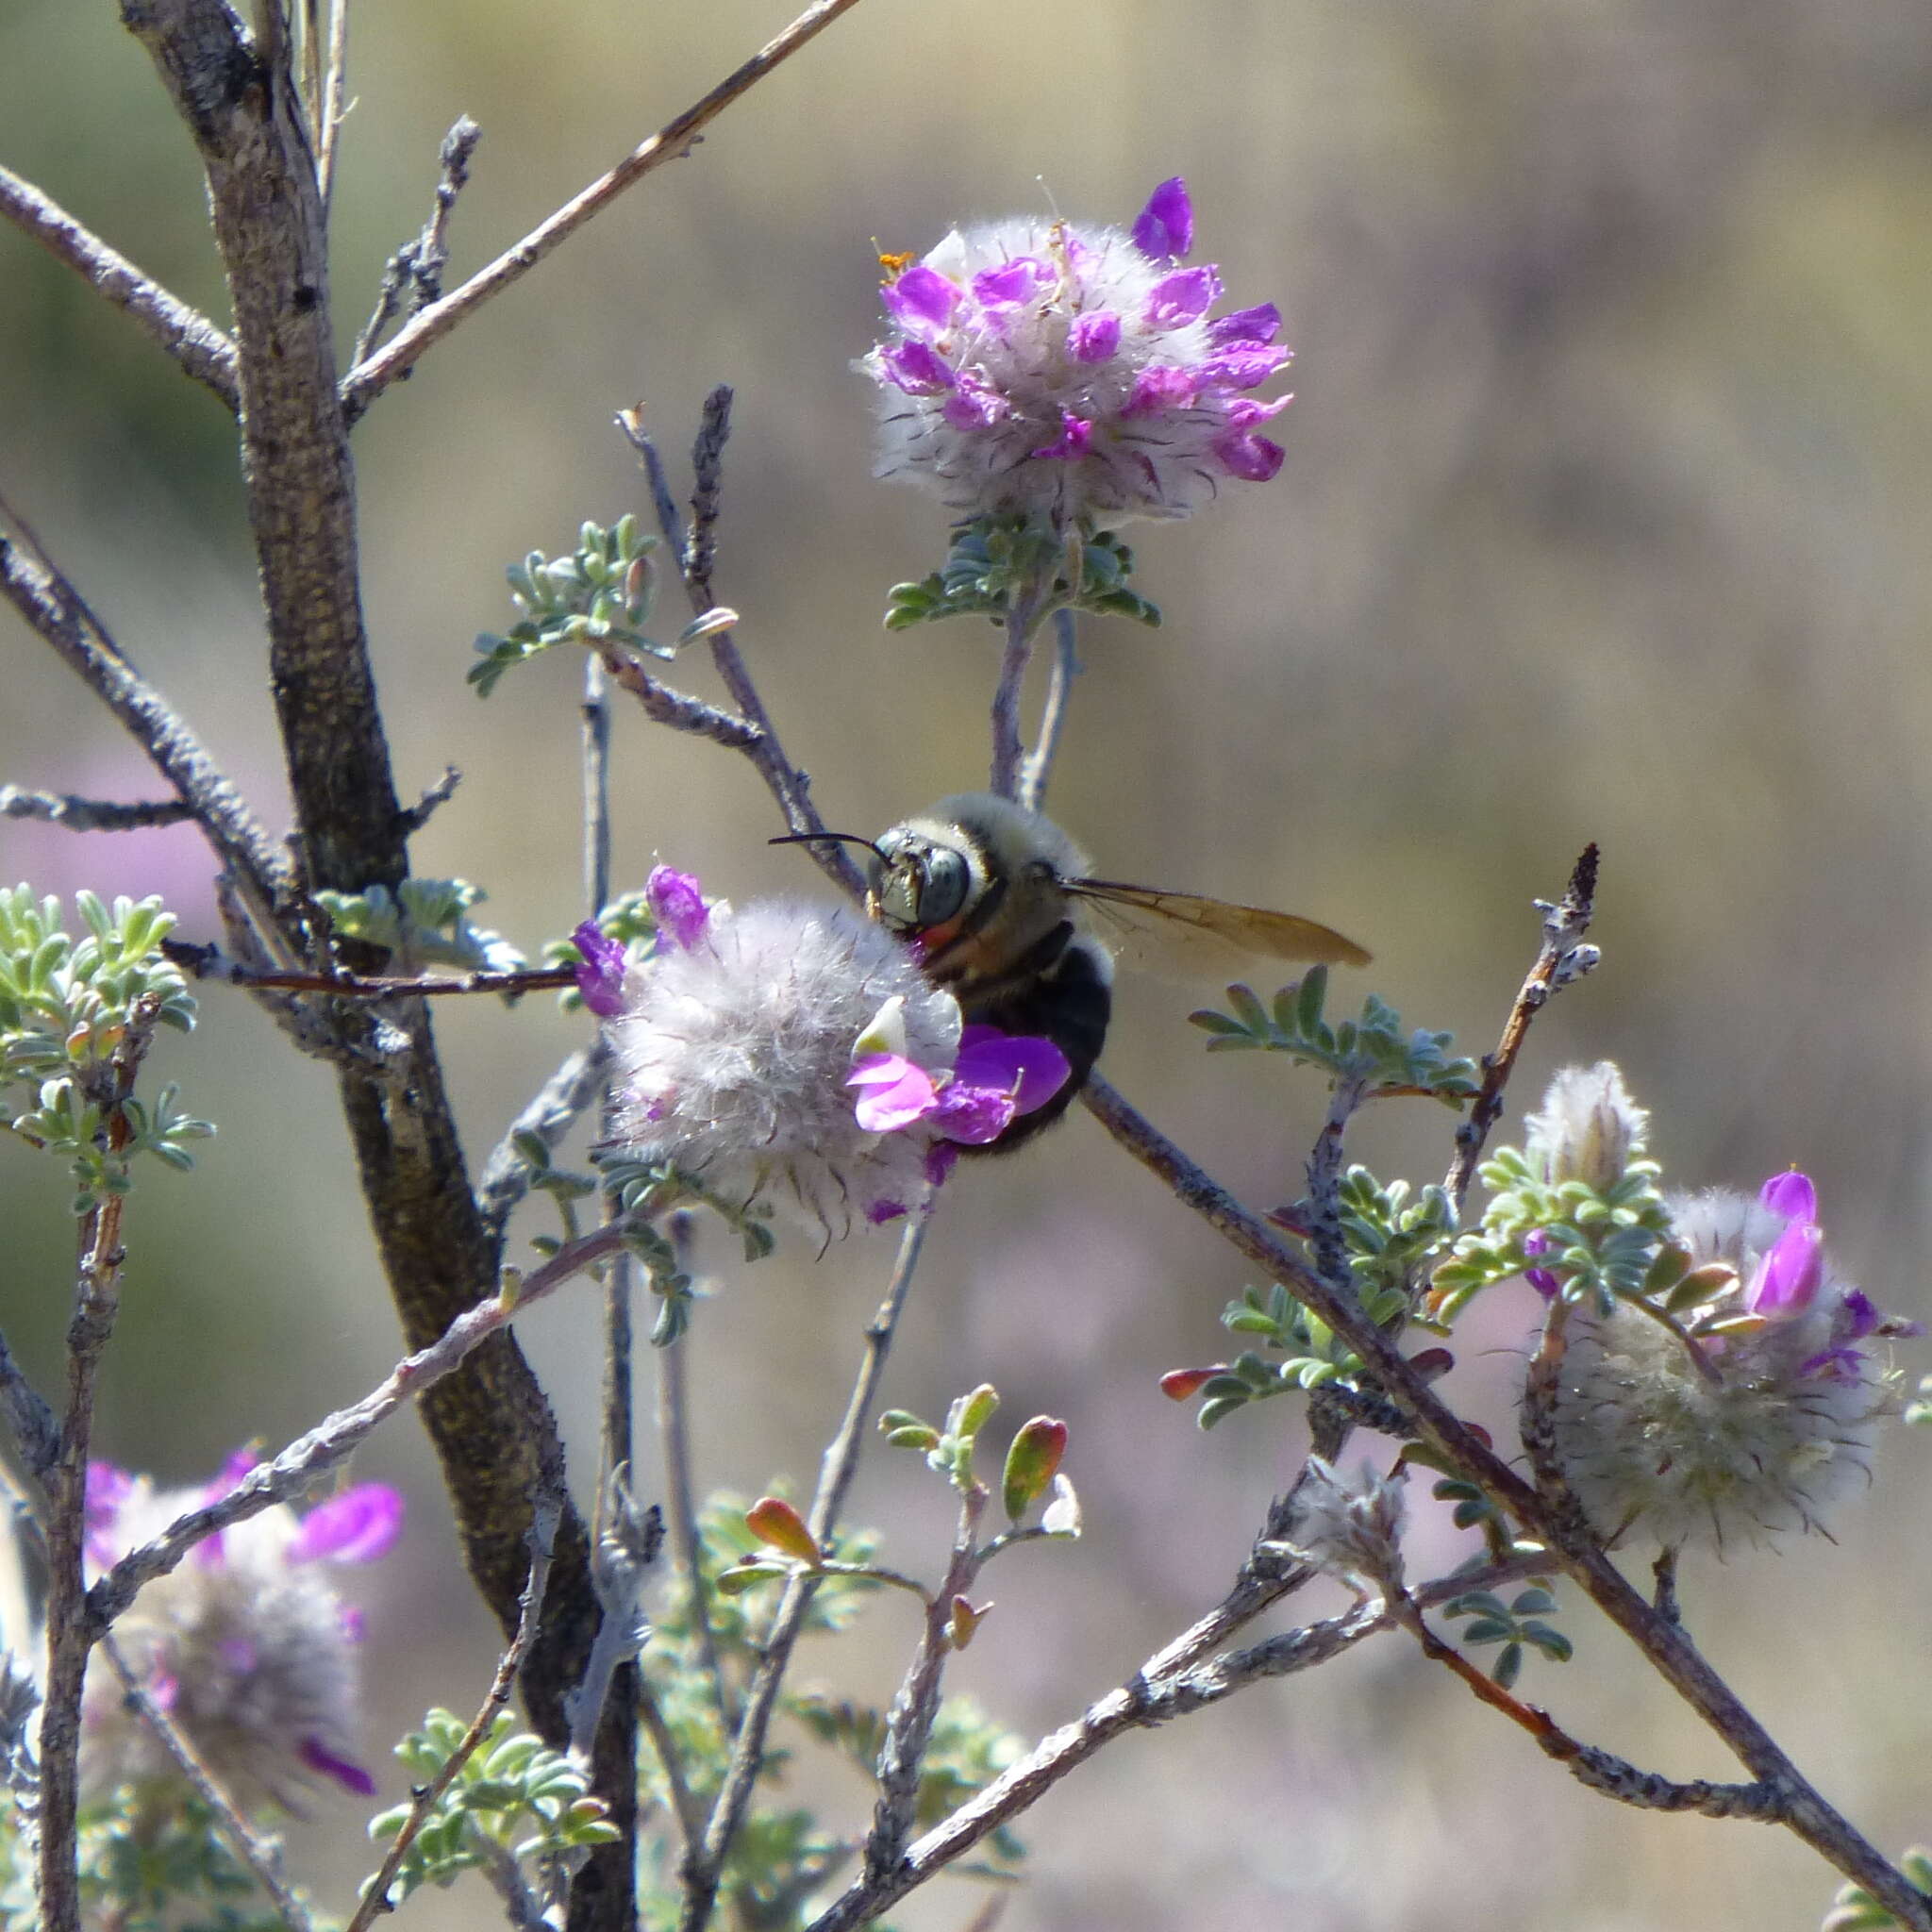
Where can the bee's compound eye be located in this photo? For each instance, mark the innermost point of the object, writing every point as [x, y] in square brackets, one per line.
[944, 880]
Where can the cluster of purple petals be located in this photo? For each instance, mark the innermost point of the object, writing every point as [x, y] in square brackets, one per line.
[997, 1077]
[677, 903]
[1791, 1272]
[1093, 361]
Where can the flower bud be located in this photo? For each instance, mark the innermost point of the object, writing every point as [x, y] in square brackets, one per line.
[1589, 1127]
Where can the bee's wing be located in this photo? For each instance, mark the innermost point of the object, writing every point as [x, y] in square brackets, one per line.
[1184, 936]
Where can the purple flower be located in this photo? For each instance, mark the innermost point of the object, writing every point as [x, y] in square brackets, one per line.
[1164, 229]
[1541, 1279]
[1790, 1194]
[349, 1775]
[677, 906]
[109, 1489]
[600, 978]
[896, 1093]
[1262, 323]
[357, 1527]
[997, 1077]
[1071, 373]
[1180, 299]
[1031, 1069]
[1013, 283]
[247, 1646]
[1076, 434]
[917, 368]
[1094, 338]
[922, 299]
[1788, 1273]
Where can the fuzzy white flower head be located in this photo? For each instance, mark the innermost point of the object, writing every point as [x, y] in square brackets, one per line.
[1072, 373]
[244, 1643]
[735, 1049]
[1768, 1426]
[1589, 1129]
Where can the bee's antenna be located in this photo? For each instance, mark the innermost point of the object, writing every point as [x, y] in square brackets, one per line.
[816, 838]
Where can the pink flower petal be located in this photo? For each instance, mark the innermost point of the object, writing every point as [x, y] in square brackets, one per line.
[357, 1527]
[677, 906]
[894, 1092]
[1165, 227]
[1790, 1194]
[922, 299]
[1789, 1274]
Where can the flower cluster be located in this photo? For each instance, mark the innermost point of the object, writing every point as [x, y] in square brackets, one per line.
[244, 1643]
[1072, 373]
[1748, 1414]
[797, 1053]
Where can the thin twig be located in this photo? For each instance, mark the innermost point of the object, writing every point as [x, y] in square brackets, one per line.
[702, 1873]
[1601, 1771]
[416, 268]
[1021, 619]
[521, 1905]
[201, 349]
[30, 1419]
[330, 108]
[699, 558]
[369, 378]
[296, 1469]
[628, 1540]
[841, 1460]
[548, 1507]
[596, 753]
[70, 1631]
[618, 1564]
[261, 1856]
[1560, 960]
[1668, 1648]
[687, 1545]
[418, 815]
[663, 705]
[630, 425]
[90, 814]
[752, 730]
[209, 963]
[685, 1807]
[916, 1704]
[1037, 769]
[1177, 1680]
[552, 1111]
[54, 608]
[1134, 1706]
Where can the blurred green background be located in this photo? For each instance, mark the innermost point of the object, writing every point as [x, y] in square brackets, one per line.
[1605, 516]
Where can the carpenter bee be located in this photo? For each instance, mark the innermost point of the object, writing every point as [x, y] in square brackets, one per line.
[987, 894]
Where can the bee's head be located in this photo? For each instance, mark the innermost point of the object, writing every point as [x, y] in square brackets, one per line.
[917, 880]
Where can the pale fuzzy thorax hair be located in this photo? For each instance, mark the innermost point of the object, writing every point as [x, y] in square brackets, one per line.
[1013, 832]
[732, 1060]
